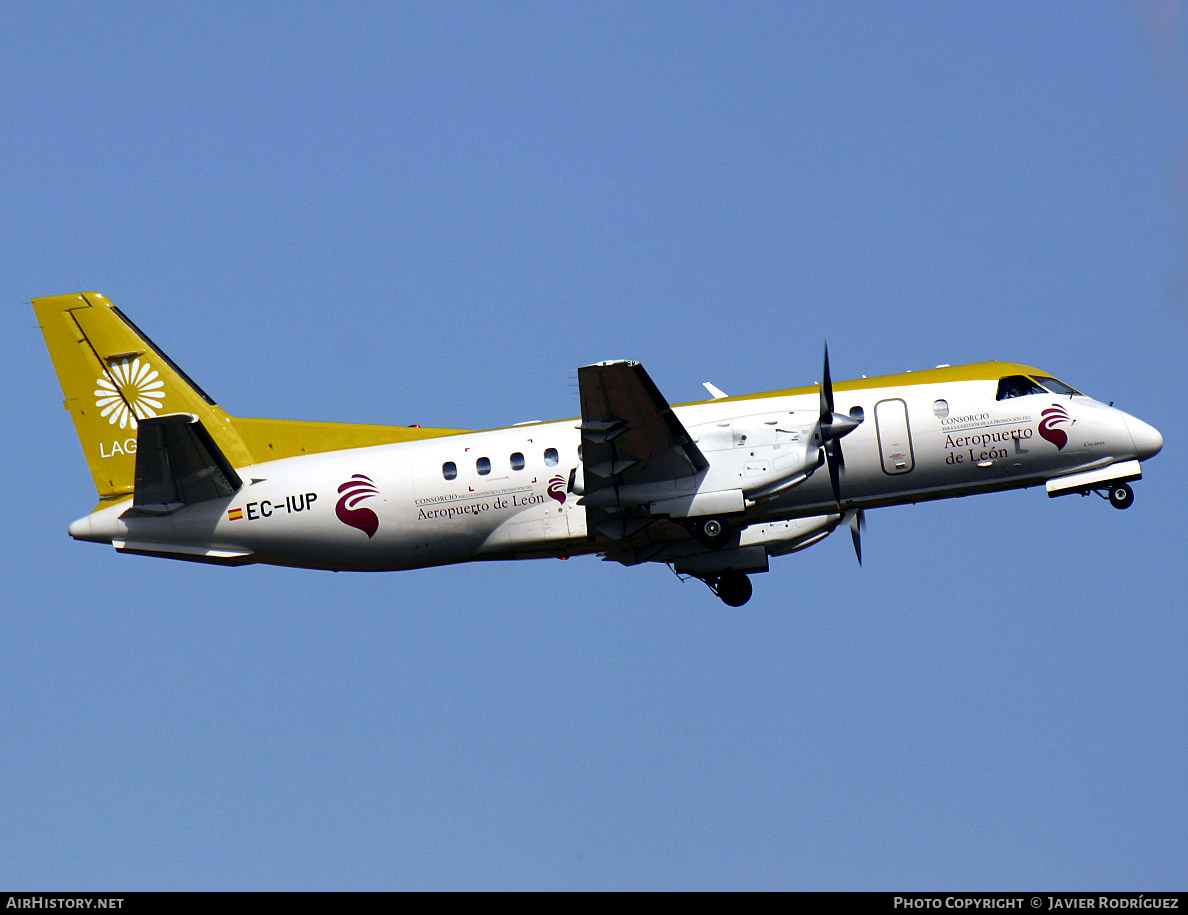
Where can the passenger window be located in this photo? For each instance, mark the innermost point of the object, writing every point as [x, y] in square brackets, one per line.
[517, 461]
[940, 408]
[1016, 386]
[483, 466]
[550, 457]
[449, 470]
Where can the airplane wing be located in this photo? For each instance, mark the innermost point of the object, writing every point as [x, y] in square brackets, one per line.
[630, 435]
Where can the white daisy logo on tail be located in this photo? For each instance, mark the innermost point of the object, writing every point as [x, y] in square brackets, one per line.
[134, 389]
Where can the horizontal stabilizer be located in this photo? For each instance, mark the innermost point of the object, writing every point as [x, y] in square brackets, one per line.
[178, 463]
[205, 554]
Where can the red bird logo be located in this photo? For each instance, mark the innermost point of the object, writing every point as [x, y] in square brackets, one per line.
[355, 490]
[1054, 416]
[557, 489]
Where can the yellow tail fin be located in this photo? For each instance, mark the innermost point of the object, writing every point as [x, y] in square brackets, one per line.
[112, 376]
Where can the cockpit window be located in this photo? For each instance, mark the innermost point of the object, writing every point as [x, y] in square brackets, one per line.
[1056, 386]
[1016, 386]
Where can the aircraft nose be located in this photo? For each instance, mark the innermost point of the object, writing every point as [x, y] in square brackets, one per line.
[1147, 440]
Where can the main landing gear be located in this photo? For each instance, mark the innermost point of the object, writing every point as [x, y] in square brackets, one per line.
[711, 532]
[733, 588]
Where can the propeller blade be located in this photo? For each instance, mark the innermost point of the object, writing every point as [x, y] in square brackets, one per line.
[831, 431]
[826, 392]
[832, 455]
[857, 523]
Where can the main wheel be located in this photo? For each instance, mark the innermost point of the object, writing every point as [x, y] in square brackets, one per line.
[1121, 495]
[711, 532]
[733, 588]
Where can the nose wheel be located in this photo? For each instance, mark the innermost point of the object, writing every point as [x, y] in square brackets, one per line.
[1121, 495]
[732, 588]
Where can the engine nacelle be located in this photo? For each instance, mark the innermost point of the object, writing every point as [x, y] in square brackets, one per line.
[781, 537]
[750, 458]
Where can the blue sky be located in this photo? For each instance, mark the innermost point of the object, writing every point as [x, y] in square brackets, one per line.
[433, 214]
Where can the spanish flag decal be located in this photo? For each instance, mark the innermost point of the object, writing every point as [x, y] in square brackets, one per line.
[236, 514]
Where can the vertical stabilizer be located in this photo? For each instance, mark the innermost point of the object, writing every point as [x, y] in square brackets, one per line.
[112, 377]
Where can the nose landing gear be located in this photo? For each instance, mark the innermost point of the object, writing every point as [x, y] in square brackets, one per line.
[1121, 495]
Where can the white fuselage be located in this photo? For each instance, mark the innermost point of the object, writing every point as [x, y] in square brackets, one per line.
[394, 507]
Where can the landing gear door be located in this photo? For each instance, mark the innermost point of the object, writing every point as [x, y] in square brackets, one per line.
[895, 439]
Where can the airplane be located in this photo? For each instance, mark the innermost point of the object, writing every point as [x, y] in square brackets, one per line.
[712, 488]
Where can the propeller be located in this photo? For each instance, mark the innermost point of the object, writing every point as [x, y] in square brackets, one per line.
[857, 525]
[833, 427]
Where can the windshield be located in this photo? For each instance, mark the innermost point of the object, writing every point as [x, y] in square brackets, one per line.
[1056, 386]
[1016, 386]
